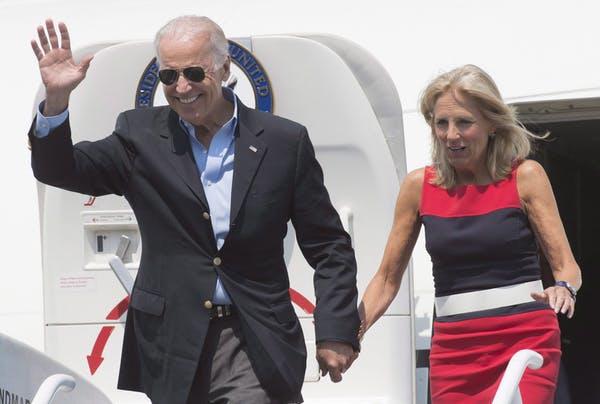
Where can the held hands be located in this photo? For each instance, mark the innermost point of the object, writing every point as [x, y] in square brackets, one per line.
[558, 298]
[60, 74]
[335, 358]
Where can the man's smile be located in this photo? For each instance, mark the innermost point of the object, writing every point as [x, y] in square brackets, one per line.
[188, 100]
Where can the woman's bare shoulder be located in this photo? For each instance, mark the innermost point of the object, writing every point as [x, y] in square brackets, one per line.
[410, 191]
[414, 179]
[532, 180]
[530, 170]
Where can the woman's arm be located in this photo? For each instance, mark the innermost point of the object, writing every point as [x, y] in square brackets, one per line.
[538, 202]
[385, 284]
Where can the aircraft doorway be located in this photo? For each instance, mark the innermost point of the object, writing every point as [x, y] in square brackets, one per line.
[571, 157]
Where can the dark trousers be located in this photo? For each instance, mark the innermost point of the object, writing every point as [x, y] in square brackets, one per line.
[225, 374]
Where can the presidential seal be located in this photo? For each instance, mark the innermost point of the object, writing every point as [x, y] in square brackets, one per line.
[248, 79]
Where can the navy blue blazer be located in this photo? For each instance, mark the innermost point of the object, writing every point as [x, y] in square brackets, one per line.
[148, 160]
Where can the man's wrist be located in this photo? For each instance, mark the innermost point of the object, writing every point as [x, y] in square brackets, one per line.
[55, 104]
[355, 346]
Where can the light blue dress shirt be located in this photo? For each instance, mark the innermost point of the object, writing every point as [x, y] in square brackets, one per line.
[44, 124]
[215, 167]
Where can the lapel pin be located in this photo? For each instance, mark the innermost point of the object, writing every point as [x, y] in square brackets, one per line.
[254, 149]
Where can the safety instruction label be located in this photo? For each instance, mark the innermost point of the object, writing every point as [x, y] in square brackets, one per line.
[77, 282]
[109, 217]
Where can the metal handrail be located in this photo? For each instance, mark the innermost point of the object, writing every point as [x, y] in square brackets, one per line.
[118, 267]
[51, 386]
[508, 391]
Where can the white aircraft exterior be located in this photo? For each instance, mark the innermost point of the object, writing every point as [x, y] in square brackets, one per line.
[542, 55]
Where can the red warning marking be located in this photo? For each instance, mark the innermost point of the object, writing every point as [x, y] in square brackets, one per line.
[90, 201]
[119, 309]
[302, 301]
[95, 358]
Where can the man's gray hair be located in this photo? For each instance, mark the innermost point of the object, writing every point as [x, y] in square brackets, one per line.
[186, 27]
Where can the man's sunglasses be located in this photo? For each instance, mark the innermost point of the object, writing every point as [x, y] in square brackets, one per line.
[169, 76]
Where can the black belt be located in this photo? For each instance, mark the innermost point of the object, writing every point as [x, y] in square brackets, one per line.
[221, 311]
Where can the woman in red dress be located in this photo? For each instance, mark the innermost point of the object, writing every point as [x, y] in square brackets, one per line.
[485, 209]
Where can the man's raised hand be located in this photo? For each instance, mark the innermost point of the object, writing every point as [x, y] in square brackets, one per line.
[60, 74]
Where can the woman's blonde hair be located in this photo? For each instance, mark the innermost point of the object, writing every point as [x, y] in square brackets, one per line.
[510, 143]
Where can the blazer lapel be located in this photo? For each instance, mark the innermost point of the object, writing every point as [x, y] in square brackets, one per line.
[249, 152]
[181, 156]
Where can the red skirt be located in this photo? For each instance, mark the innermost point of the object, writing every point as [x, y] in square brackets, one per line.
[468, 357]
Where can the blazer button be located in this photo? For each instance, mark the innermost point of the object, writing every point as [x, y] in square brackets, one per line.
[217, 261]
[208, 305]
[206, 215]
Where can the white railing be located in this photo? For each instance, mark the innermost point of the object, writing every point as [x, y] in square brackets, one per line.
[51, 386]
[508, 392]
[116, 264]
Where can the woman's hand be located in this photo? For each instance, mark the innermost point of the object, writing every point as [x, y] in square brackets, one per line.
[558, 298]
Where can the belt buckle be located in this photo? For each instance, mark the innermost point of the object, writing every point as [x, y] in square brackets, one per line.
[220, 311]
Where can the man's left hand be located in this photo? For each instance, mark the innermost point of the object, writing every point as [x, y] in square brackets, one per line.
[335, 358]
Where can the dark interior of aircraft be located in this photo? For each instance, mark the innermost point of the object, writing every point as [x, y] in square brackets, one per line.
[571, 157]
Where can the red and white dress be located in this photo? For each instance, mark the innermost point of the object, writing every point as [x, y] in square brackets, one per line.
[484, 257]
